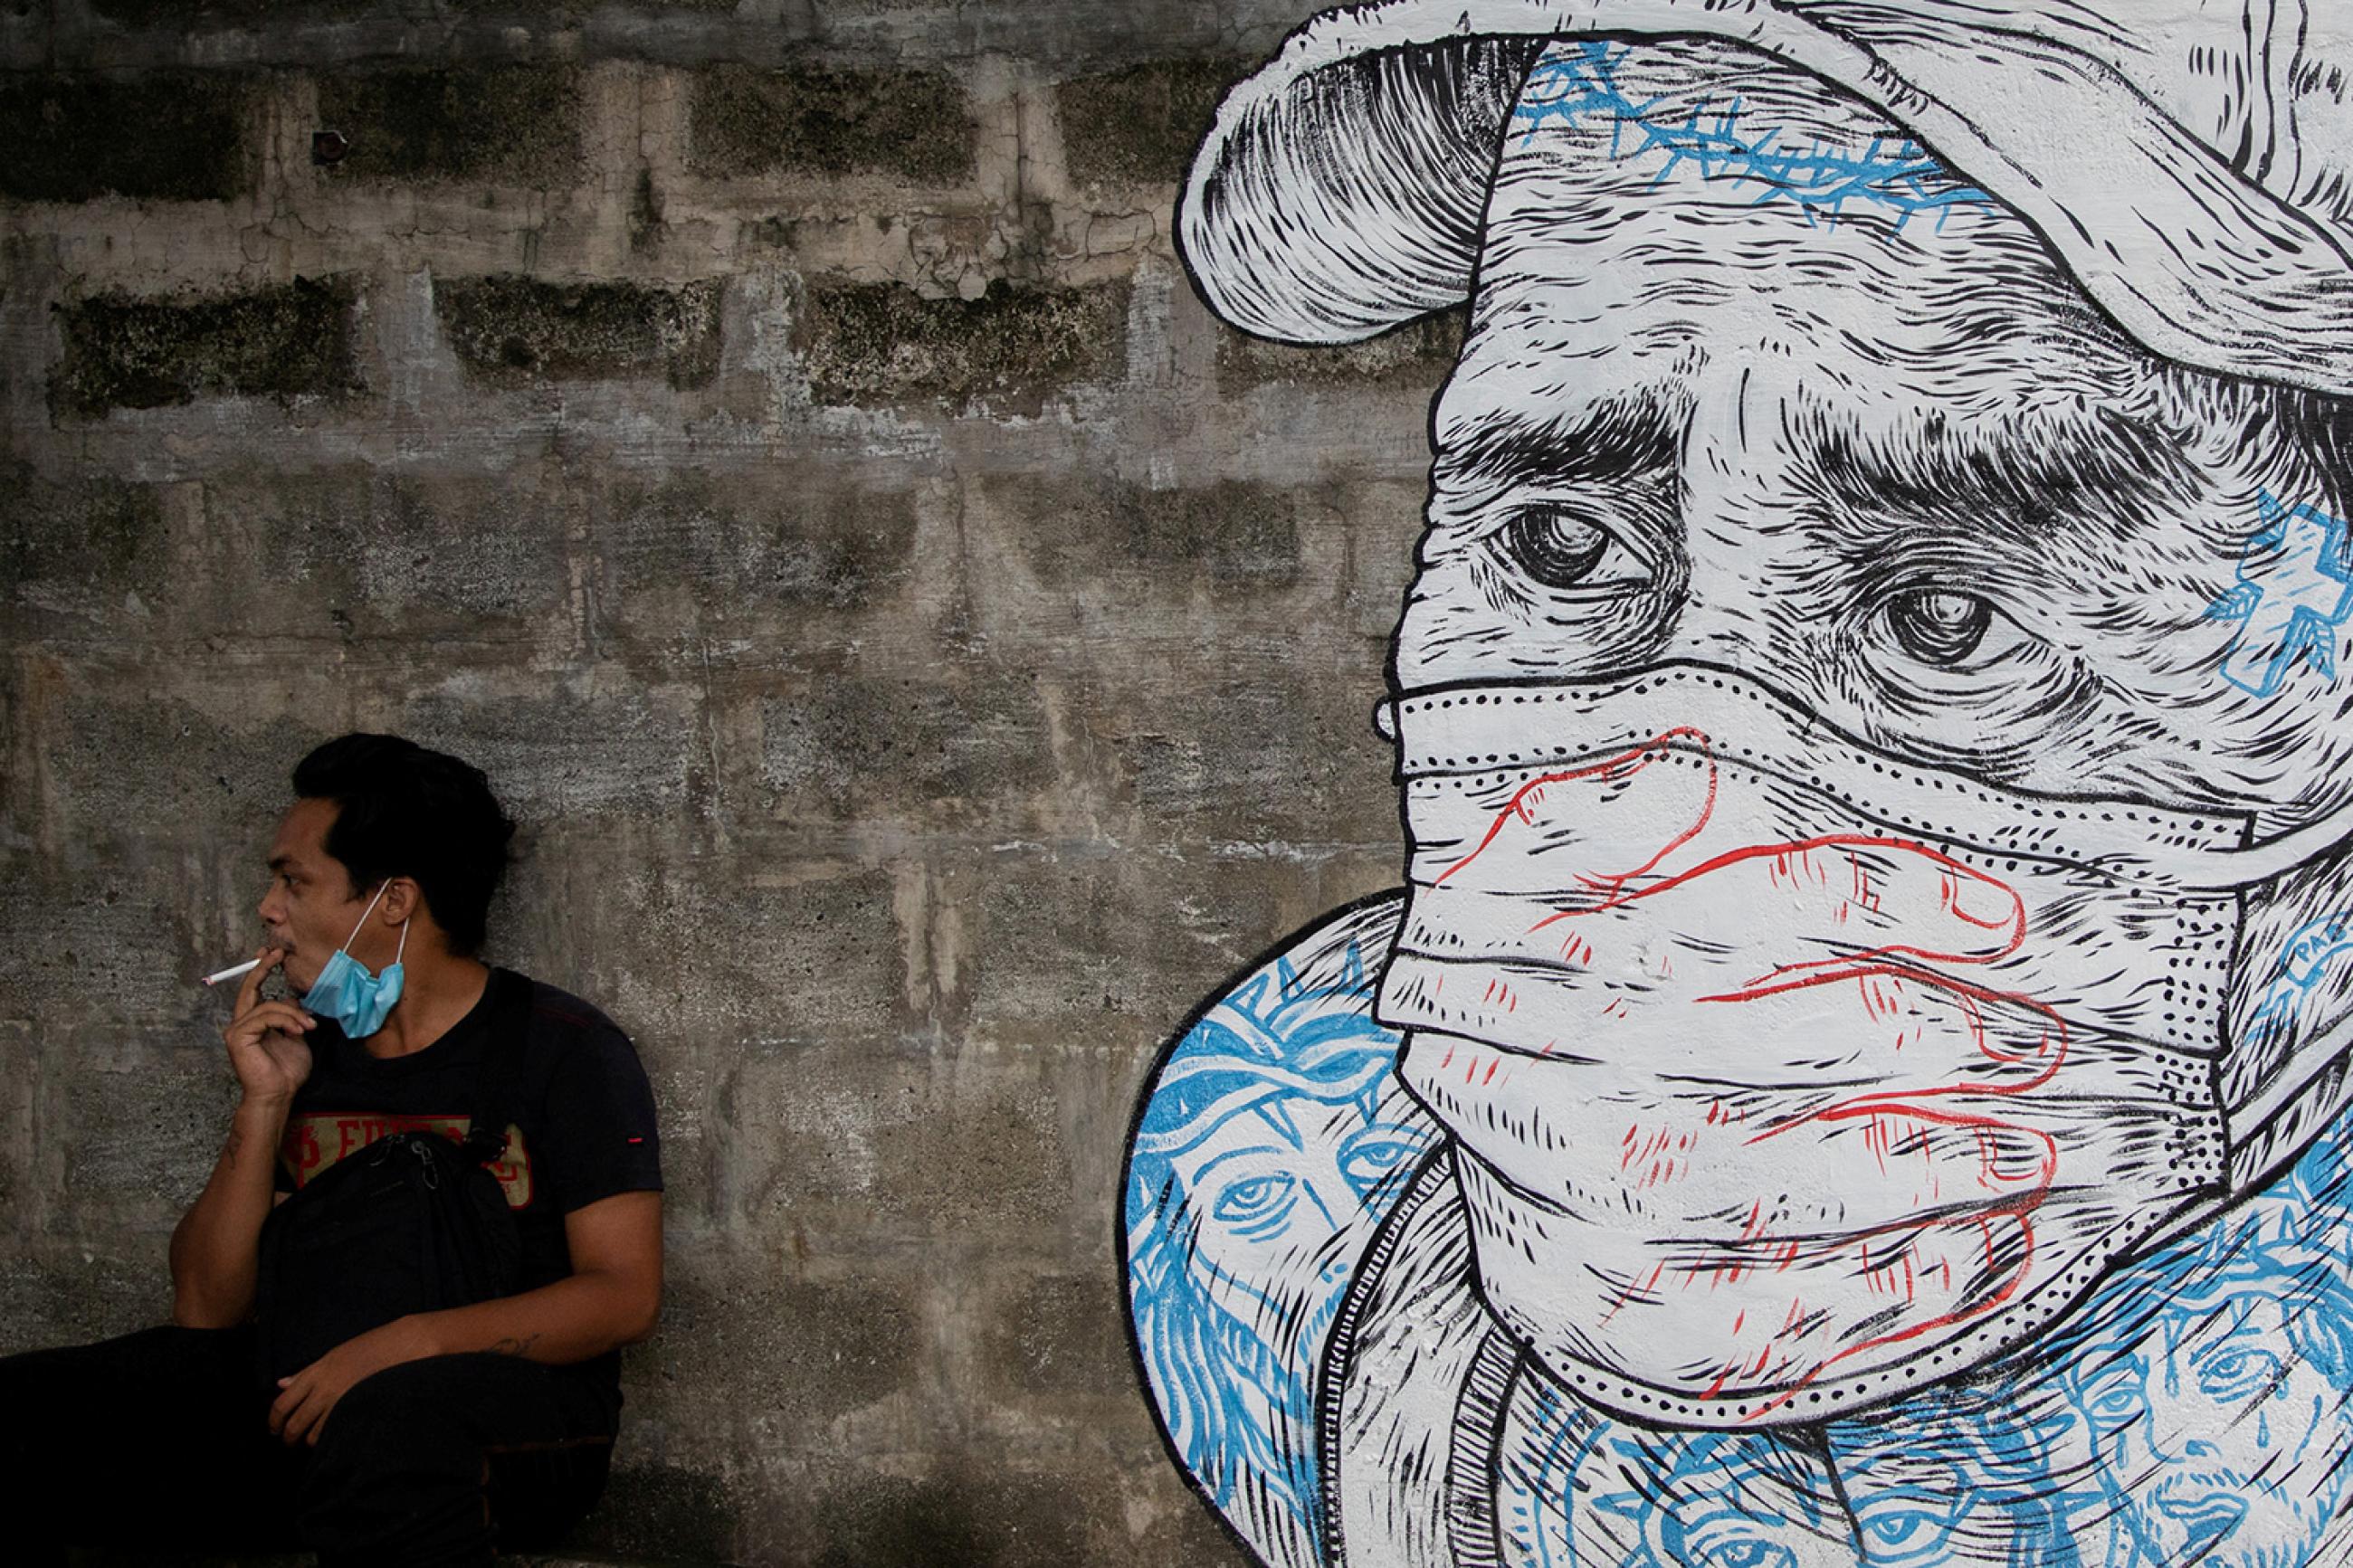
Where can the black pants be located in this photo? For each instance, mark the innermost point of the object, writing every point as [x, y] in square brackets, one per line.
[161, 1440]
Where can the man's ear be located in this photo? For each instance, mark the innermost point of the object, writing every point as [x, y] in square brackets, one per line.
[403, 899]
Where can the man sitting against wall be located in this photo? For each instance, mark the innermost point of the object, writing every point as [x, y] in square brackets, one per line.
[297, 1399]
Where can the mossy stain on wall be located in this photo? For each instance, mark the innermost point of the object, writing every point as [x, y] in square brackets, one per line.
[880, 341]
[124, 351]
[914, 124]
[508, 328]
[166, 136]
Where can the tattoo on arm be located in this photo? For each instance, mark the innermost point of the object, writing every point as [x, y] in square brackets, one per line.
[513, 1346]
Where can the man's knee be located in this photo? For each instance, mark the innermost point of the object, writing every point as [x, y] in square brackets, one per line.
[444, 1404]
[417, 1460]
[417, 1405]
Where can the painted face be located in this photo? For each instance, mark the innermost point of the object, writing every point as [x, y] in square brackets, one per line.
[2221, 1442]
[1702, 1501]
[310, 905]
[1948, 1481]
[1770, 1104]
[1863, 441]
[1269, 1189]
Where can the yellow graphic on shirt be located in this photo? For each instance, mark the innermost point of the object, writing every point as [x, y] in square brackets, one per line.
[315, 1140]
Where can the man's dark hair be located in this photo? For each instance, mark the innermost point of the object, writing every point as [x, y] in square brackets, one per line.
[404, 811]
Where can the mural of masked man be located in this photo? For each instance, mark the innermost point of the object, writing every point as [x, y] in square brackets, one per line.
[1868, 709]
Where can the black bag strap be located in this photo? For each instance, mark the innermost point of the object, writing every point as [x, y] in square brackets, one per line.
[494, 1102]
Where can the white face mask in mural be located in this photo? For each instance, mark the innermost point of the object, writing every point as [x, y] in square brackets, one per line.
[1785, 1076]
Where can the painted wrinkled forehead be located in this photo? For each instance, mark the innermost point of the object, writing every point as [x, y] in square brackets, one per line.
[1653, 195]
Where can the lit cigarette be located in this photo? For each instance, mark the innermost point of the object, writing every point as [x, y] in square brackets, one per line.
[233, 971]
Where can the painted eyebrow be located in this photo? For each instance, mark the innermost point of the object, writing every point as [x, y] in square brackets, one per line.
[2109, 468]
[1617, 441]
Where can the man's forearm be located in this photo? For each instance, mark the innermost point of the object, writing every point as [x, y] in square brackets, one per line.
[215, 1251]
[571, 1320]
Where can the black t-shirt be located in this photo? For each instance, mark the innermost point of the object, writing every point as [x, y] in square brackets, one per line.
[583, 1114]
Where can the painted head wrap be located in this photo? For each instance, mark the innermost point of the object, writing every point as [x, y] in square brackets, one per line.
[2188, 168]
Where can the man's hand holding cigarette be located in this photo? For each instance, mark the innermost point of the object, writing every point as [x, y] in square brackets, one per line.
[264, 1038]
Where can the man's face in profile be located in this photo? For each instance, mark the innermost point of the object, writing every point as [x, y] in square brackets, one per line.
[310, 906]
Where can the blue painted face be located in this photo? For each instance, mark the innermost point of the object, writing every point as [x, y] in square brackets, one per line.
[1276, 1182]
[2222, 1433]
[1274, 1143]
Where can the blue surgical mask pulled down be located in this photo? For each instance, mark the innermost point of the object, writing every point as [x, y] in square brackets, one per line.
[357, 1001]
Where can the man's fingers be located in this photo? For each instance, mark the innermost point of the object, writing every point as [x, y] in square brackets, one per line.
[291, 1391]
[280, 1015]
[299, 1415]
[248, 992]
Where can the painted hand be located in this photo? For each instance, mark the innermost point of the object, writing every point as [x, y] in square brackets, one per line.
[1751, 1065]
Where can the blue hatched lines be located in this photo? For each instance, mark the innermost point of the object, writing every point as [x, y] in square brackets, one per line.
[2294, 590]
[1891, 175]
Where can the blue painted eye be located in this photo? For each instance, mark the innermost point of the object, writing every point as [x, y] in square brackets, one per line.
[2117, 1404]
[1897, 1527]
[1364, 1163]
[1728, 1538]
[1253, 1199]
[1909, 1526]
[2240, 1372]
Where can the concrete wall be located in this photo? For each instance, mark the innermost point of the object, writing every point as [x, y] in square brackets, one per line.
[927, 653]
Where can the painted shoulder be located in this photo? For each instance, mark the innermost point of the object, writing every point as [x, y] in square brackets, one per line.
[1270, 1142]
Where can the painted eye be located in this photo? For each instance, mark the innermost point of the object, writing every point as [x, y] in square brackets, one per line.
[1555, 547]
[1253, 1199]
[2116, 1405]
[1737, 1547]
[1897, 1528]
[1367, 1159]
[2238, 1374]
[1909, 1526]
[1726, 1537]
[1939, 627]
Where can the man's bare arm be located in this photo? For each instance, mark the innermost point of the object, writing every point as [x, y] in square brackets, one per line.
[612, 1298]
[216, 1246]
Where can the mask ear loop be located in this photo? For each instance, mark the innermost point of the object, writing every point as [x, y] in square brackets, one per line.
[2274, 857]
[402, 948]
[369, 911]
